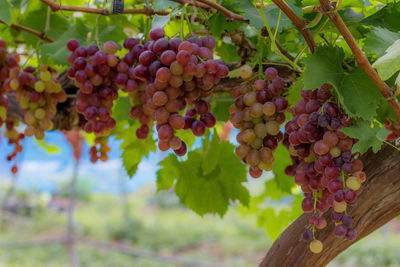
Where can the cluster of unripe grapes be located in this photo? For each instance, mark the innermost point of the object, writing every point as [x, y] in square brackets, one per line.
[394, 129]
[99, 150]
[328, 172]
[38, 93]
[177, 73]
[7, 62]
[14, 138]
[258, 113]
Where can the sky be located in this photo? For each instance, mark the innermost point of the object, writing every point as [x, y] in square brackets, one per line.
[39, 170]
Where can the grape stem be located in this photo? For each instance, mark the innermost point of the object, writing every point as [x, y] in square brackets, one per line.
[18, 27]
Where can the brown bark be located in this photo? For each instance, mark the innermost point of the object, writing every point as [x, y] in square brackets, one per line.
[378, 204]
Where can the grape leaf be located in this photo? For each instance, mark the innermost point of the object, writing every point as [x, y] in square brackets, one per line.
[379, 39]
[121, 109]
[162, 5]
[160, 21]
[211, 192]
[251, 13]
[5, 11]
[274, 220]
[282, 160]
[220, 109]
[134, 149]
[325, 66]
[111, 32]
[211, 154]
[57, 51]
[387, 17]
[218, 23]
[368, 134]
[389, 64]
[168, 172]
[293, 95]
[385, 112]
[35, 19]
[360, 95]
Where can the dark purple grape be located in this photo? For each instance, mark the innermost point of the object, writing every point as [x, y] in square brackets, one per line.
[198, 128]
[340, 231]
[336, 217]
[323, 120]
[156, 34]
[347, 220]
[351, 234]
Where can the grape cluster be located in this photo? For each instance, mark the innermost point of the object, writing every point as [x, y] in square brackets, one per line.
[14, 138]
[177, 73]
[7, 62]
[258, 113]
[38, 93]
[99, 150]
[328, 172]
[394, 129]
[94, 72]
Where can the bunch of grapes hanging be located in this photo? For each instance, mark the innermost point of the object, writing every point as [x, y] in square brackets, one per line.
[329, 174]
[258, 113]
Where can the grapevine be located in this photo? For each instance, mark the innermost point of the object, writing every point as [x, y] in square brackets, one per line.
[328, 172]
[258, 112]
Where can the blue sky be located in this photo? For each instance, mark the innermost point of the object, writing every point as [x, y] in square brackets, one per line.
[44, 172]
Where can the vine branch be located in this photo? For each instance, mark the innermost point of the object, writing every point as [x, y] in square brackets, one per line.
[329, 10]
[298, 22]
[18, 27]
[56, 7]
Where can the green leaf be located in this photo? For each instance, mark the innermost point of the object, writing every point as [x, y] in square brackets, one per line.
[134, 149]
[5, 11]
[109, 31]
[358, 95]
[389, 64]
[162, 5]
[210, 192]
[211, 155]
[294, 91]
[35, 18]
[387, 17]
[58, 51]
[272, 14]
[274, 219]
[218, 23]
[379, 39]
[227, 51]
[324, 66]
[251, 13]
[220, 108]
[121, 109]
[368, 134]
[160, 21]
[168, 173]
[282, 160]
